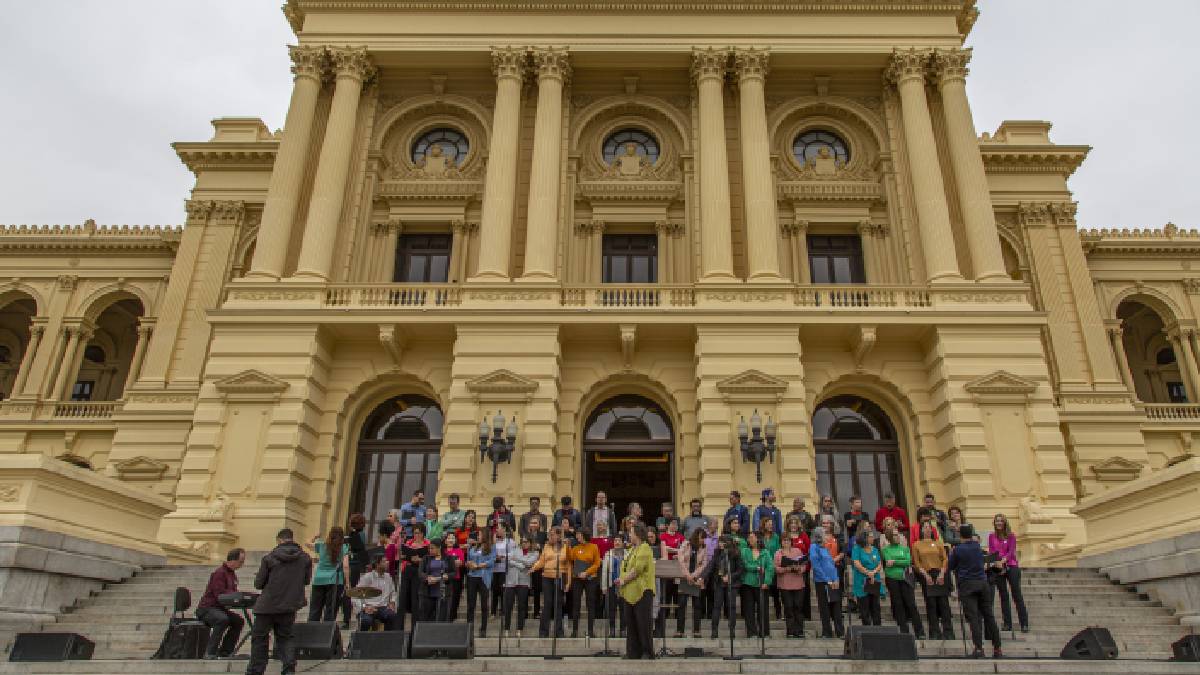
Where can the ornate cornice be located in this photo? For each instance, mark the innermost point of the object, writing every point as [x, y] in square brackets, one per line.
[1168, 240]
[89, 236]
[551, 63]
[907, 64]
[948, 65]
[509, 62]
[709, 63]
[208, 156]
[439, 190]
[751, 63]
[1055, 159]
[1042, 214]
[859, 191]
[631, 190]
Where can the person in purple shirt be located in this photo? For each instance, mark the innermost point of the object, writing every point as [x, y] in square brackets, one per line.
[1005, 573]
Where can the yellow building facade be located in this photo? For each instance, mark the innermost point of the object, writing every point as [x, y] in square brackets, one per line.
[626, 228]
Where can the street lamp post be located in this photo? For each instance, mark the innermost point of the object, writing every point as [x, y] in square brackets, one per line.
[499, 444]
[757, 444]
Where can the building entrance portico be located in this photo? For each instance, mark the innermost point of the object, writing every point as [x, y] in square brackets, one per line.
[629, 454]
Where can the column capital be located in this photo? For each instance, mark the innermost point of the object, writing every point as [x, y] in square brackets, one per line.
[551, 63]
[751, 63]
[351, 62]
[509, 63]
[907, 64]
[37, 330]
[948, 65]
[308, 61]
[709, 63]
[466, 227]
[198, 210]
[796, 228]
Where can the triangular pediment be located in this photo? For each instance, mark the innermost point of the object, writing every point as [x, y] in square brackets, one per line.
[1001, 383]
[502, 381]
[140, 468]
[251, 382]
[752, 382]
[1116, 469]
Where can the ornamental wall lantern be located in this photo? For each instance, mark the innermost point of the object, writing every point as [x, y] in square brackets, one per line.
[499, 444]
[757, 444]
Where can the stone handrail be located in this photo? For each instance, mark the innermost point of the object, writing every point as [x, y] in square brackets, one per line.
[864, 297]
[92, 410]
[392, 295]
[1169, 412]
[629, 296]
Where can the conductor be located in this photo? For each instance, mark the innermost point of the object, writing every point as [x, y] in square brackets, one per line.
[281, 577]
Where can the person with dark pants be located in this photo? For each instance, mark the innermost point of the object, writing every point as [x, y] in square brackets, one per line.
[331, 576]
[282, 577]
[636, 585]
[516, 585]
[756, 581]
[412, 552]
[359, 561]
[930, 561]
[537, 540]
[791, 567]
[553, 563]
[897, 560]
[1005, 574]
[727, 573]
[610, 570]
[382, 608]
[225, 626]
[456, 557]
[481, 559]
[693, 560]
[966, 561]
[584, 558]
[868, 579]
[433, 577]
[827, 577]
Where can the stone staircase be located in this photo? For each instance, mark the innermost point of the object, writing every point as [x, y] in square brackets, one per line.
[126, 621]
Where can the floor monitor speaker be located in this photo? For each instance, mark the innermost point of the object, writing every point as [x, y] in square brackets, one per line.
[317, 641]
[51, 647]
[879, 643]
[1091, 644]
[378, 645]
[1186, 648]
[441, 640]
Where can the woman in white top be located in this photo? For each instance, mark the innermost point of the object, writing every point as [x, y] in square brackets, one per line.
[503, 545]
[516, 584]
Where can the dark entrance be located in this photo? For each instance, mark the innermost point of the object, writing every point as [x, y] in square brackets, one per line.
[629, 453]
[398, 453]
[857, 453]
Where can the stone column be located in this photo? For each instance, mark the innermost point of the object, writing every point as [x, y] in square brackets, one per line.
[663, 229]
[353, 67]
[866, 236]
[1116, 338]
[500, 188]
[716, 254]
[35, 339]
[1186, 361]
[758, 183]
[144, 330]
[287, 175]
[66, 369]
[541, 233]
[907, 71]
[459, 248]
[974, 194]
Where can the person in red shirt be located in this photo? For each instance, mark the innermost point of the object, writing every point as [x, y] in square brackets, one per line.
[602, 540]
[226, 626]
[890, 510]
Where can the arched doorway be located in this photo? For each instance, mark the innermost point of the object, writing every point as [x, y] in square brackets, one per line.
[1153, 363]
[16, 321]
[857, 452]
[629, 451]
[399, 451]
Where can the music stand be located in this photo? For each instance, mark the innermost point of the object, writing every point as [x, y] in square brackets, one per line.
[668, 570]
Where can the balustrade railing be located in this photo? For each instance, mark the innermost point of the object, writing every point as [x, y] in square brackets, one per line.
[89, 410]
[392, 295]
[628, 296]
[1172, 412]
[863, 297]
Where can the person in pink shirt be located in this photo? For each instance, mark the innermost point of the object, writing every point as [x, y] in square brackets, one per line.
[791, 565]
[1005, 573]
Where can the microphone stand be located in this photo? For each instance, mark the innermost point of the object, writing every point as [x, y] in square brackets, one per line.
[609, 619]
[723, 571]
[763, 613]
[503, 615]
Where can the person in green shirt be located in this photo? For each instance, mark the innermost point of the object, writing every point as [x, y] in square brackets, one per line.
[771, 543]
[756, 581]
[897, 572]
[452, 519]
[636, 585]
[433, 526]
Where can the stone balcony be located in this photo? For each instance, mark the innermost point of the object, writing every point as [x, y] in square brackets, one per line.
[923, 303]
[60, 411]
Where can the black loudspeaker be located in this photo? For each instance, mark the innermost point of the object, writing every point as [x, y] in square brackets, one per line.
[879, 643]
[1186, 648]
[51, 647]
[318, 641]
[441, 640]
[693, 653]
[385, 645]
[1091, 644]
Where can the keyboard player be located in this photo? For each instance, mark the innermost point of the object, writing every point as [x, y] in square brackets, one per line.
[225, 626]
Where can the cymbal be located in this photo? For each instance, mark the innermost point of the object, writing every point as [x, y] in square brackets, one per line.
[364, 593]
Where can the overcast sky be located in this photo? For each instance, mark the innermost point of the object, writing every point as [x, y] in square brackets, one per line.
[94, 91]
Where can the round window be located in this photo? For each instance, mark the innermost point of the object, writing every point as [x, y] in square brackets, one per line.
[818, 143]
[630, 141]
[442, 142]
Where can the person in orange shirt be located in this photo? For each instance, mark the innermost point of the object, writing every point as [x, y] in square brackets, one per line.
[585, 566]
[553, 563]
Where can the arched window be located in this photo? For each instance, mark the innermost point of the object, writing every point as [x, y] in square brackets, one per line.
[643, 143]
[628, 418]
[857, 452]
[399, 452]
[808, 146]
[451, 142]
[1154, 368]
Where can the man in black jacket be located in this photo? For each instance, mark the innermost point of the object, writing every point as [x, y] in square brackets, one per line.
[967, 562]
[282, 577]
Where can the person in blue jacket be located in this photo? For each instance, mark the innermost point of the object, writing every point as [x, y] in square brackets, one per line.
[826, 576]
[481, 560]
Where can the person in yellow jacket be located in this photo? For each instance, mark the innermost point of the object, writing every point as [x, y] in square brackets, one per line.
[585, 566]
[637, 590]
[555, 565]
